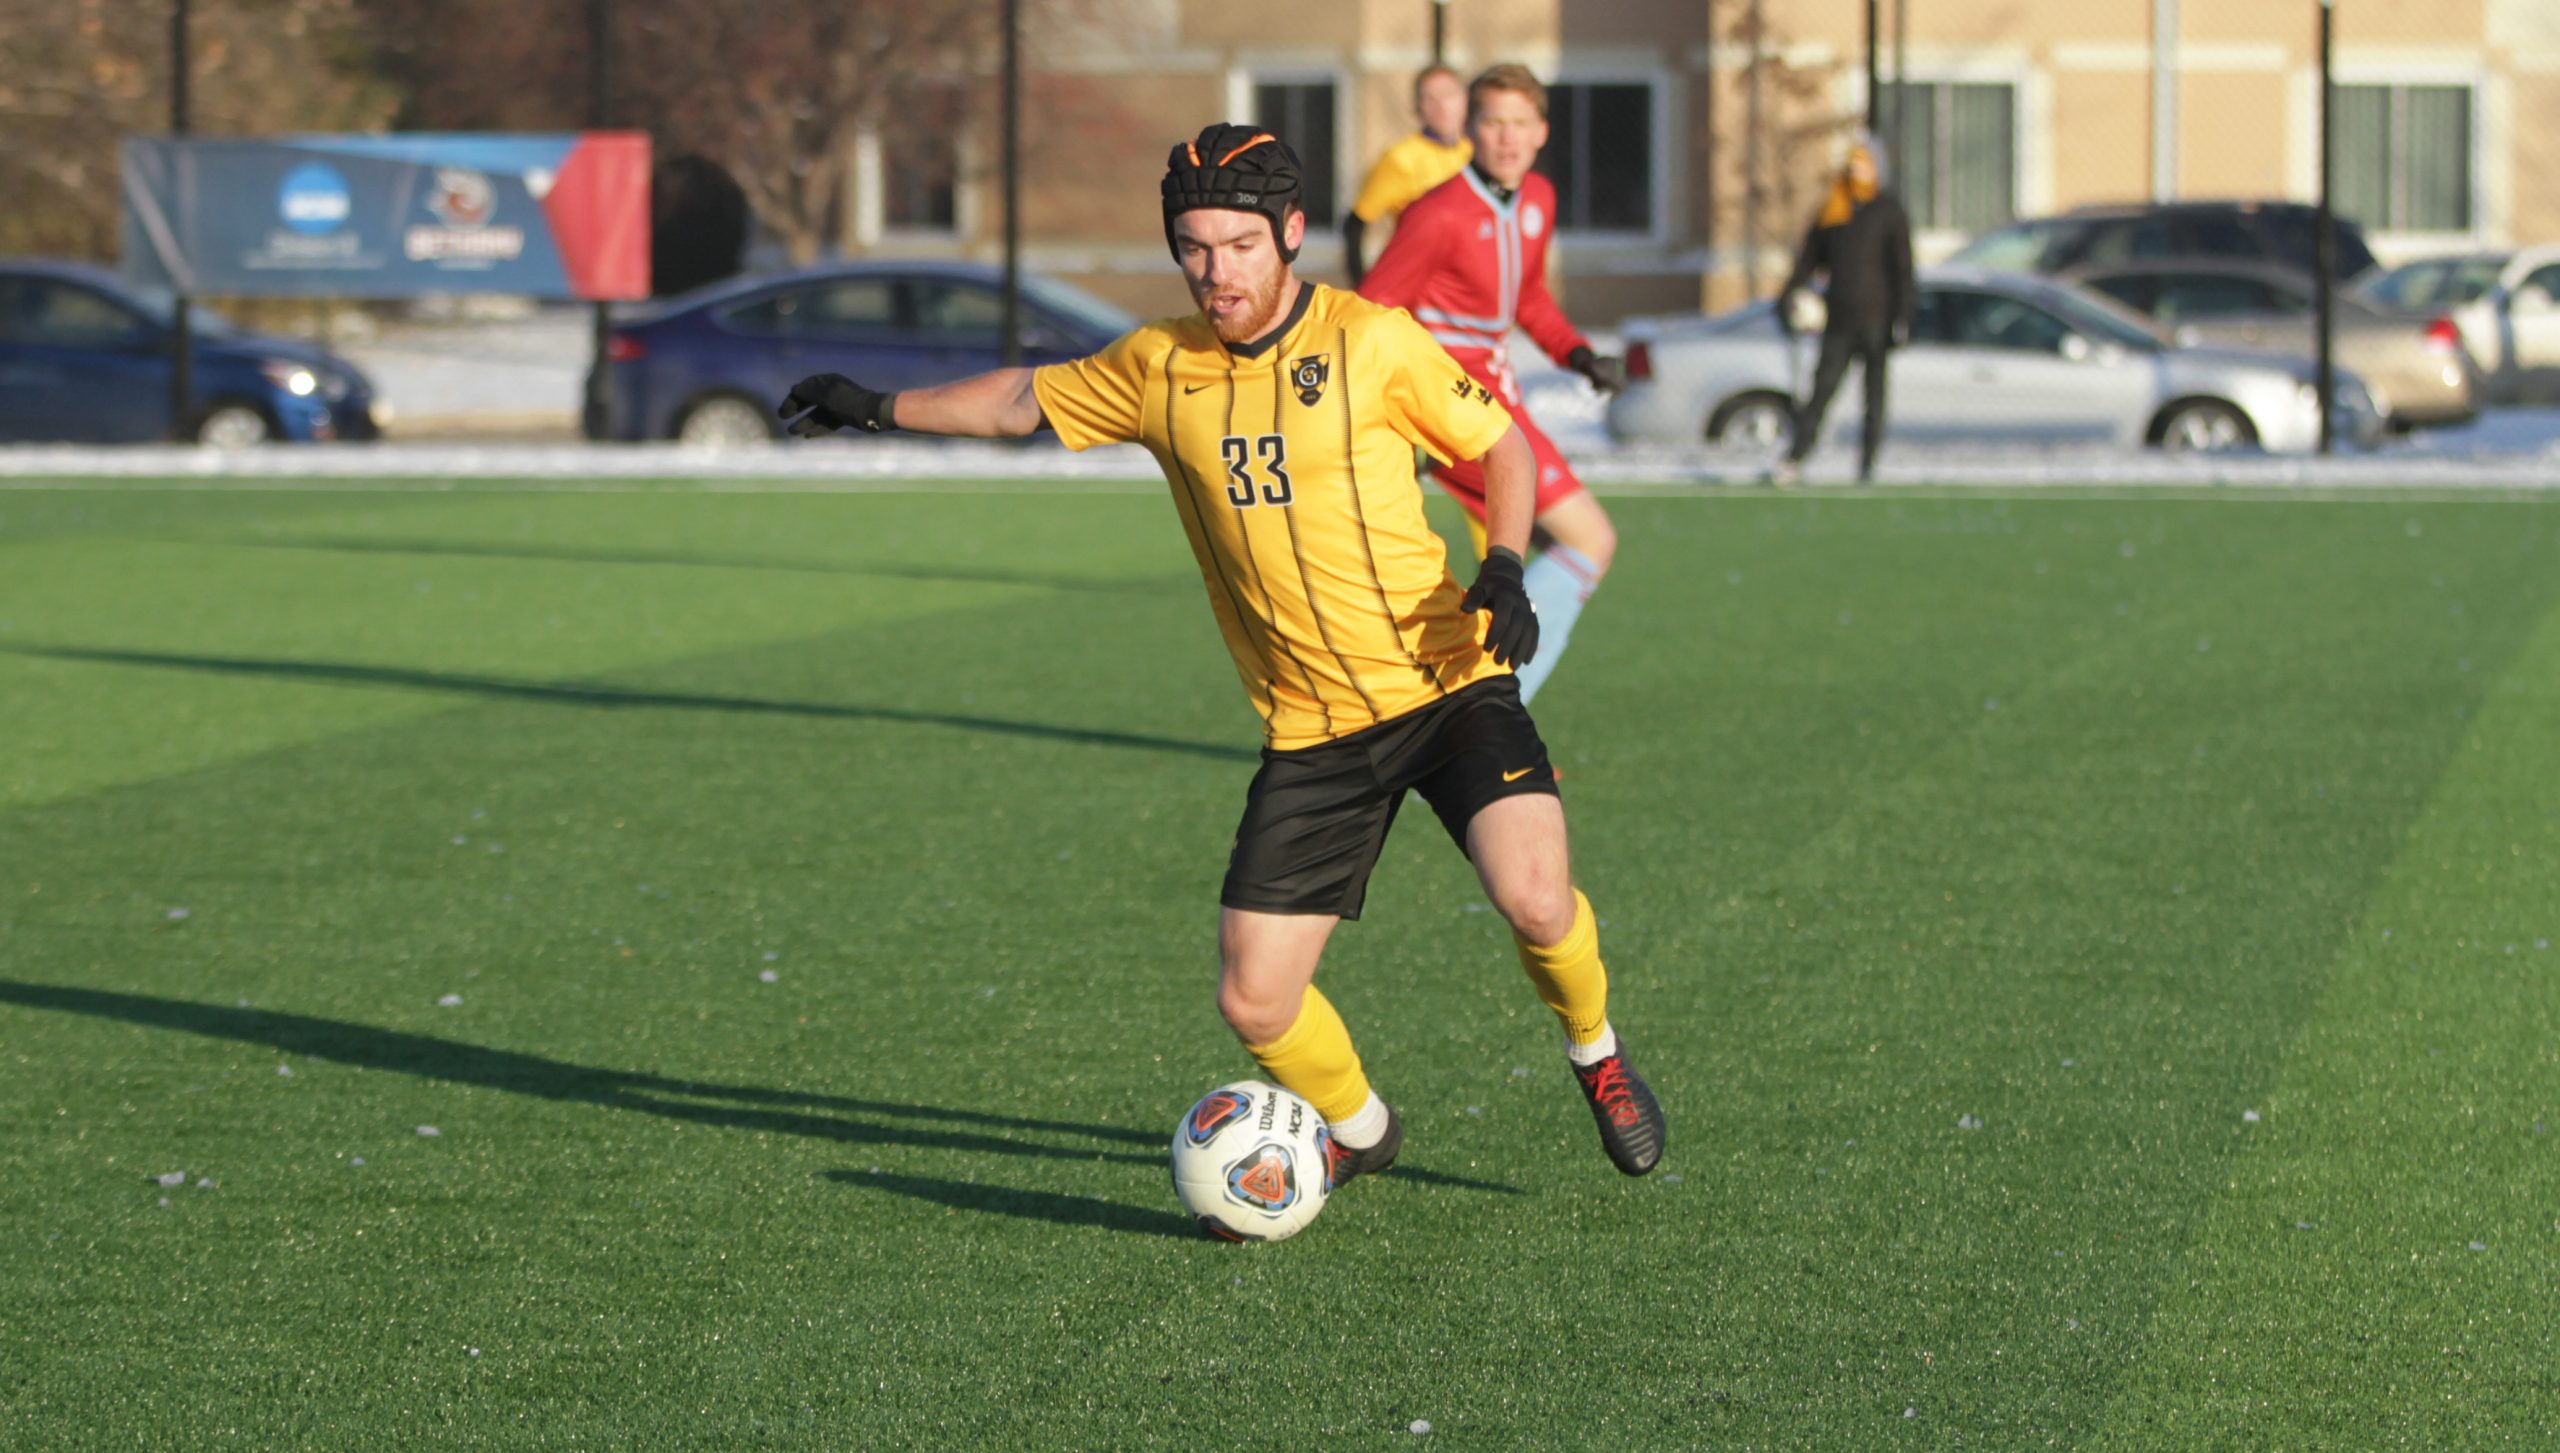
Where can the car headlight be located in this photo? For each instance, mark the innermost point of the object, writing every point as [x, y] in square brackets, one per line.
[293, 378]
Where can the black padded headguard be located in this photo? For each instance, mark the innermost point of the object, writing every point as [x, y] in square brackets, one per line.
[1238, 168]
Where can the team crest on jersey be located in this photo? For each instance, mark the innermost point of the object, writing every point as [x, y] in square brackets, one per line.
[1308, 374]
[1533, 220]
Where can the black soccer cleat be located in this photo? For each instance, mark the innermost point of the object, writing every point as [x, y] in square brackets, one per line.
[1630, 1121]
[1341, 1162]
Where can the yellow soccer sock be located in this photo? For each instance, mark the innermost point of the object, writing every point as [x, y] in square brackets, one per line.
[1313, 1059]
[1569, 977]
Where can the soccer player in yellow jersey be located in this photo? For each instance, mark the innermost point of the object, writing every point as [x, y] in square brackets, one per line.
[1414, 165]
[1285, 416]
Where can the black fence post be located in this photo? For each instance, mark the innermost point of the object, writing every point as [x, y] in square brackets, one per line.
[596, 419]
[182, 352]
[1013, 183]
[1875, 82]
[2325, 252]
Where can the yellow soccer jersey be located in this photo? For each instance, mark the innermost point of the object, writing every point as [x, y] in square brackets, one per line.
[1406, 170]
[1291, 462]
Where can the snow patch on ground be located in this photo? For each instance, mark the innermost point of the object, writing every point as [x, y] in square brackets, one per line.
[525, 376]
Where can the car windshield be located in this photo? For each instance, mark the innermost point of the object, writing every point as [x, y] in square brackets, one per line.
[161, 306]
[2444, 283]
[2021, 247]
[2102, 319]
[1079, 307]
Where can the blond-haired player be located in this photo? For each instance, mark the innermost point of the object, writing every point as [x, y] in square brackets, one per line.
[1414, 165]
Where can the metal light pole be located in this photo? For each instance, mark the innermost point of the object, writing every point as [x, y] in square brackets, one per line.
[1439, 31]
[2325, 250]
[1901, 86]
[1707, 156]
[1013, 183]
[182, 352]
[598, 414]
[2164, 99]
[1754, 160]
[1875, 88]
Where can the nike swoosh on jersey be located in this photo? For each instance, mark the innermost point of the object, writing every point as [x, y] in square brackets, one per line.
[1189, 389]
[1516, 776]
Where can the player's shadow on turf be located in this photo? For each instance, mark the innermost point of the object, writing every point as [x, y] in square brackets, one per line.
[570, 554]
[568, 693]
[1027, 1204]
[739, 1107]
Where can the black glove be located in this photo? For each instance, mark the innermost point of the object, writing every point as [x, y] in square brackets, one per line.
[1608, 375]
[826, 402]
[1512, 638]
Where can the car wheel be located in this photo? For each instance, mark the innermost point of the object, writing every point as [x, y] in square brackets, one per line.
[233, 426]
[2206, 426]
[724, 421]
[1757, 420]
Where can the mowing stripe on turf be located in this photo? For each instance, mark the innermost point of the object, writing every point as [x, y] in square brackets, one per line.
[2378, 1270]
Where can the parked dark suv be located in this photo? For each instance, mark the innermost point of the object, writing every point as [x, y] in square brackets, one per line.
[2278, 232]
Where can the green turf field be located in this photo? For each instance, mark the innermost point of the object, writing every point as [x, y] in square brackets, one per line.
[2096, 955]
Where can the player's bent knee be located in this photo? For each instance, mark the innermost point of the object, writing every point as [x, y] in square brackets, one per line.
[1541, 912]
[1256, 1019]
[1601, 551]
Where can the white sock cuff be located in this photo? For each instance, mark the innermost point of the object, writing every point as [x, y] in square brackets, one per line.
[1365, 1127]
[1597, 1050]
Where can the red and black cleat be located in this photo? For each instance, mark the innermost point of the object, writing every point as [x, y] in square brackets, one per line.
[1341, 1162]
[1630, 1121]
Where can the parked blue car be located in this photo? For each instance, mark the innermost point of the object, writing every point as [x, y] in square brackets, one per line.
[709, 367]
[85, 359]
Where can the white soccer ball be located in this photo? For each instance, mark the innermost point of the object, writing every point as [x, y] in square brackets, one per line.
[1249, 1162]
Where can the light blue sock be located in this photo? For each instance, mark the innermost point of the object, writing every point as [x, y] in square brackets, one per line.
[1558, 581]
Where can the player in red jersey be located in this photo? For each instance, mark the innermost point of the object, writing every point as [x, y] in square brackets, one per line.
[1469, 261]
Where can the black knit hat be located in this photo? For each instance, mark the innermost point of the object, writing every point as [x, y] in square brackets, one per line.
[1237, 168]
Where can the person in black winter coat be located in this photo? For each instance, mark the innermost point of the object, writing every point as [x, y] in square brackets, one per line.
[1861, 241]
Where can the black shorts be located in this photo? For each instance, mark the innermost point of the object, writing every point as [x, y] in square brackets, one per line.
[1315, 818]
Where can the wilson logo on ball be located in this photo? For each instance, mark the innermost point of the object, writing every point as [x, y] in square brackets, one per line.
[1218, 1109]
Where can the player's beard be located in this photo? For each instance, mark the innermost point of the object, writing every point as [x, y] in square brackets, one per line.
[1261, 309]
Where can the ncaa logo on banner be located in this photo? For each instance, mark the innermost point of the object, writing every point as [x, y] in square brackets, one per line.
[313, 199]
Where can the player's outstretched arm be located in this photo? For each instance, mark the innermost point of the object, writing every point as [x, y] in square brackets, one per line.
[1510, 507]
[998, 404]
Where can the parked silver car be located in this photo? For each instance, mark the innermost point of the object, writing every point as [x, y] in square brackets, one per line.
[2507, 305]
[1994, 357]
[2413, 362]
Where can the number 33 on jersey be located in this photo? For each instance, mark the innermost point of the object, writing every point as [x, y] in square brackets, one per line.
[1291, 462]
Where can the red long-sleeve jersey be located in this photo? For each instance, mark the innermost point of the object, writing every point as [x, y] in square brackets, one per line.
[1469, 263]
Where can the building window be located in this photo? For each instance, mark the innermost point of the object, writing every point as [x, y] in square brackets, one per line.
[1599, 154]
[920, 163]
[2402, 157]
[1301, 114]
[1957, 169]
